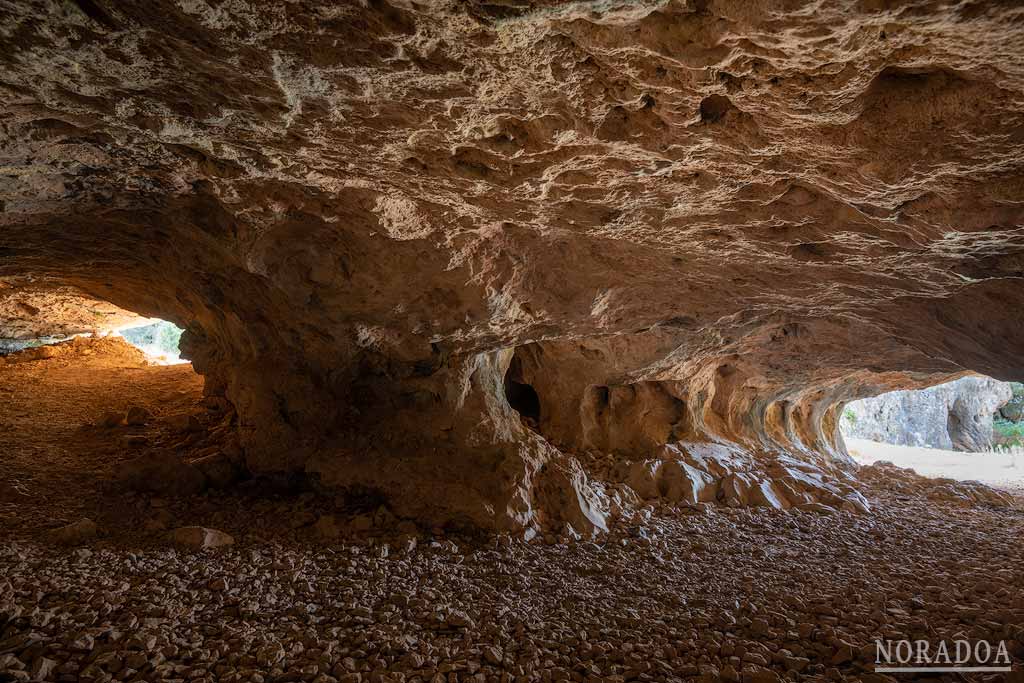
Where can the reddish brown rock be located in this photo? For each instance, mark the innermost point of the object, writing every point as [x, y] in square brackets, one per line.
[448, 252]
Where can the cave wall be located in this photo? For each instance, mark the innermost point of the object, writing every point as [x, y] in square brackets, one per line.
[703, 222]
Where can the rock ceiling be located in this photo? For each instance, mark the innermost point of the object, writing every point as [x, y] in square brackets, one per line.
[703, 222]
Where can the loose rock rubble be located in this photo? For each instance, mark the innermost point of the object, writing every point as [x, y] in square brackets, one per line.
[701, 594]
[200, 538]
[706, 473]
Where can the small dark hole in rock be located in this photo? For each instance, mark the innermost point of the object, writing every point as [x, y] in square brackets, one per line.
[521, 396]
[523, 399]
[714, 108]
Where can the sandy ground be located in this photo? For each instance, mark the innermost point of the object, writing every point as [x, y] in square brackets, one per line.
[999, 470]
[56, 458]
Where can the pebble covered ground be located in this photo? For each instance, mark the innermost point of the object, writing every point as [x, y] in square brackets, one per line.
[319, 588]
[703, 594]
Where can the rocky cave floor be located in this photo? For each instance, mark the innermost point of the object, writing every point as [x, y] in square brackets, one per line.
[320, 589]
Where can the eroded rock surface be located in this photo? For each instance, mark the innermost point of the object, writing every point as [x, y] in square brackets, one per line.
[28, 312]
[448, 250]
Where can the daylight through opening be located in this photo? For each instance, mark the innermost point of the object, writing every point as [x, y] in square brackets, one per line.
[968, 429]
[160, 341]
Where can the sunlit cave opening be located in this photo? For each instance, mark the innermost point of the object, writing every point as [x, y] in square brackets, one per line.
[968, 429]
[160, 341]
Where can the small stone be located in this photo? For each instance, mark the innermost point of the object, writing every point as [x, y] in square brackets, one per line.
[110, 420]
[492, 655]
[82, 531]
[761, 676]
[845, 653]
[270, 655]
[459, 619]
[199, 538]
[42, 667]
[9, 661]
[137, 416]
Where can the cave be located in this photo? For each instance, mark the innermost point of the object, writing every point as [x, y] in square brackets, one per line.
[521, 396]
[502, 340]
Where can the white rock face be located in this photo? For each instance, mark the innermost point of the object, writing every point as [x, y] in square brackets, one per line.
[952, 416]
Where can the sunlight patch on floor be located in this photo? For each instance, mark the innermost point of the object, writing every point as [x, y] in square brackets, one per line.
[1004, 469]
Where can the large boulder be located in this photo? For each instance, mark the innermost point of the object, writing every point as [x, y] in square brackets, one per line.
[684, 483]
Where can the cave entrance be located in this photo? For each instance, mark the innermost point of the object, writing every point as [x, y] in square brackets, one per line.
[968, 429]
[520, 395]
[160, 341]
[102, 416]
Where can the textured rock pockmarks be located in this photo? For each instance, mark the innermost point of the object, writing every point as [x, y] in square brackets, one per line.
[675, 222]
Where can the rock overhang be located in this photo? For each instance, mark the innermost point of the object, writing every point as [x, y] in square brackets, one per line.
[708, 222]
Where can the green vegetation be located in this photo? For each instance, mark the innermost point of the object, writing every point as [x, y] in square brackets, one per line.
[1008, 422]
[1007, 433]
[849, 416]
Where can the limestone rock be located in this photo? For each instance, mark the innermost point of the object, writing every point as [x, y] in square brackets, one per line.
[137, 416]
[43, 668]
[764, 493]
[439, 250]
[736, 489]
[82, 531]
[217, 468]
[685, 483]
[644, 477]
[200, 538]
[162, 472]
[955, 415]
[567, 498]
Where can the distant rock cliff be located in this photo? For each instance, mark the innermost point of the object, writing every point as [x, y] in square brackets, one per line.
[953, 416]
